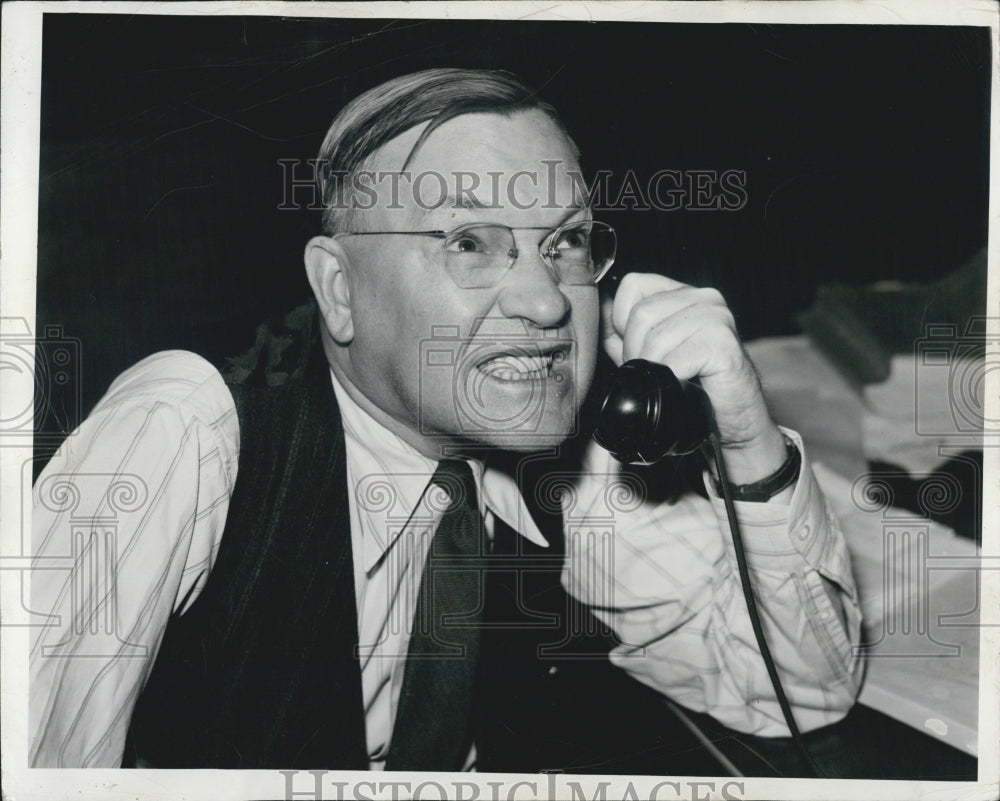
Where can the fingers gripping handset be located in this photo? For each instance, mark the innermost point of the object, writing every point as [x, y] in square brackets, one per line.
[649, 413]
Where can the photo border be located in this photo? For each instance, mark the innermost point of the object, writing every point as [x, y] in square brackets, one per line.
[20, 127]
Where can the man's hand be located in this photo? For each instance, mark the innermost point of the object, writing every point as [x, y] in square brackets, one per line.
[692, 331]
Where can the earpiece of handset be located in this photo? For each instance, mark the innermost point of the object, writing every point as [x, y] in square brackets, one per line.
[650, 413]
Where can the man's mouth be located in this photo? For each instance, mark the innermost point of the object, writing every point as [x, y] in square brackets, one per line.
[521, 366]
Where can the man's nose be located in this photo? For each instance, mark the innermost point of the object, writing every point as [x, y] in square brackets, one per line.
[531, 291]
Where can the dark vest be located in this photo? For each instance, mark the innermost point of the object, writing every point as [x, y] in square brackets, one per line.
[260, 672]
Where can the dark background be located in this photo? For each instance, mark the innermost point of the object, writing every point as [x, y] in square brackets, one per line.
[865, 150]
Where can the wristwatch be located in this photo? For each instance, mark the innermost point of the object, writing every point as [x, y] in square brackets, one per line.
[765, 489]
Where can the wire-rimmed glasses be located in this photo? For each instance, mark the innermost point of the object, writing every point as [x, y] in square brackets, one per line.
[479, 255]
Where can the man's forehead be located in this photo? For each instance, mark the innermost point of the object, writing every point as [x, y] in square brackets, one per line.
[525, 140]
[481, 162]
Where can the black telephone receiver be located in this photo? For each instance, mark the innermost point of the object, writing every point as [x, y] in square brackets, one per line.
[650, 413]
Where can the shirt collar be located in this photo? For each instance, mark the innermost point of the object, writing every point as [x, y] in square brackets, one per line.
[390, 477]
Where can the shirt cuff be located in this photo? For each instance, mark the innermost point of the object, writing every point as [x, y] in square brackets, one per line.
[780, 537]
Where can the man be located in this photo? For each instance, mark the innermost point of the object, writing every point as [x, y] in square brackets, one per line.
[331, 558]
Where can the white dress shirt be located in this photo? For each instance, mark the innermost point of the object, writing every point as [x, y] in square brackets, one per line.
[392, 524]
[661, 574]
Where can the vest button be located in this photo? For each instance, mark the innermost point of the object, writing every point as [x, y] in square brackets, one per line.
[553, 670]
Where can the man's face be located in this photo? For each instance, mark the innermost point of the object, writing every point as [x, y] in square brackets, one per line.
[505, 366]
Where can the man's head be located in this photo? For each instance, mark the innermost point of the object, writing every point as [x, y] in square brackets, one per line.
[441, 359]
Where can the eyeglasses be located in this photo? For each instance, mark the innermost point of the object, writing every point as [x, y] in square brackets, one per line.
[479, 255]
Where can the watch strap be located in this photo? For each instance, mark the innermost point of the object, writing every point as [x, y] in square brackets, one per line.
[765, 489]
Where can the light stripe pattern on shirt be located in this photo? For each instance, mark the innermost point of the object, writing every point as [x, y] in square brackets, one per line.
[143, 488]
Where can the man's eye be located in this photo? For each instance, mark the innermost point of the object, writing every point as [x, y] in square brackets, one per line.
[572, 240]
[465, 244]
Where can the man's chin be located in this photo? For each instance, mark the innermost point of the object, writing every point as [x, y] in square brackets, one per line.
[522, 441]
[543, 433]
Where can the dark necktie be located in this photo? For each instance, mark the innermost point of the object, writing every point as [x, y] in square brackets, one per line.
[433, 729]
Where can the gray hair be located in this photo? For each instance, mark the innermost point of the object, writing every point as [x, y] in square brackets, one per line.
[381, 114]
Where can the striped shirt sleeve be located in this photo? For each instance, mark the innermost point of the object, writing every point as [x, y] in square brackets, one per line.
[664, 577]
[127, 520]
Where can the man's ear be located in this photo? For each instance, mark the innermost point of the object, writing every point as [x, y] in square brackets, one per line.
[327, 267]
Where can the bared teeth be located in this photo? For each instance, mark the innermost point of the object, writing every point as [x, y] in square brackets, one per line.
[518, 367]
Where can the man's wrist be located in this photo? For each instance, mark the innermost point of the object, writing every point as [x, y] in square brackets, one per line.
[748, 462]
[779, 484]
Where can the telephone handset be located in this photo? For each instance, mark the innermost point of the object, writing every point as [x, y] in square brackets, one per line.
[648, 414]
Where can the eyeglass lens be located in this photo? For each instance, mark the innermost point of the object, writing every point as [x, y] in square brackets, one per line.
[479, 255]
